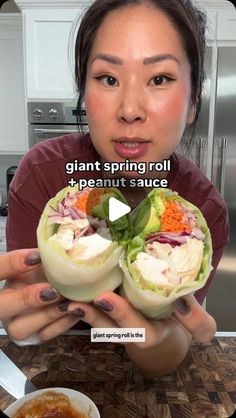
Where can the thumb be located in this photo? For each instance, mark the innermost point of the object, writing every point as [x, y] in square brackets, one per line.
[194, 318]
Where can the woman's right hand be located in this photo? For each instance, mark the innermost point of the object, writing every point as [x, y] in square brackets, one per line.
[29, 306]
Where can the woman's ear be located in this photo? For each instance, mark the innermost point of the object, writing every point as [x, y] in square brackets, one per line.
[191, 114]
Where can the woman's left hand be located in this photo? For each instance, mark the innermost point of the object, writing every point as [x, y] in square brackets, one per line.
[110, 310]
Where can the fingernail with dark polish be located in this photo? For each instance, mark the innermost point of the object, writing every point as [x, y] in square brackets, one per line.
[78, 312]
[49, 294]
[63, 305]
[181, 306]
[104, 304]
[33, 259]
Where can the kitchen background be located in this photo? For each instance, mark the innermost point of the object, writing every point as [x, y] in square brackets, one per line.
[37, 96]
[6, 161]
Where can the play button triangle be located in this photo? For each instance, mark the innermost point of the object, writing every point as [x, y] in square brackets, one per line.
[117, 209]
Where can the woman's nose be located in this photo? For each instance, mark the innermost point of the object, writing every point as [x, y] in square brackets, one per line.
[132, 106]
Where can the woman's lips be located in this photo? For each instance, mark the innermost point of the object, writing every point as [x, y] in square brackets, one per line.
[131, 147]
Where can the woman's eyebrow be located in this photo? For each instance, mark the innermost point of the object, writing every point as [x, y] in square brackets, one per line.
[109, 58]
[149, 60]
[158, 58]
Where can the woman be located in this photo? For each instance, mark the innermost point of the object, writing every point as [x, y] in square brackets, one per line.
[139, 69]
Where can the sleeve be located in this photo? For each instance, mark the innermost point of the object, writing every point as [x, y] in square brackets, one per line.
[22, 223]
[220, 238]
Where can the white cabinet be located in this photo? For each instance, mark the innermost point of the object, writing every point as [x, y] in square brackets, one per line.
[221, 19]
[49, 52]
[13, 132]
[226, 28]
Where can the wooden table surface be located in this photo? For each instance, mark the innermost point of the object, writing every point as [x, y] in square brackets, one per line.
[203, 386]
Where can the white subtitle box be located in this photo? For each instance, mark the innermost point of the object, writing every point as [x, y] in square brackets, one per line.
[118, 335]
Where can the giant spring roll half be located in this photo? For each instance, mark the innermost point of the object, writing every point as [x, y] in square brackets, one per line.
[79, 248]
[169, 257]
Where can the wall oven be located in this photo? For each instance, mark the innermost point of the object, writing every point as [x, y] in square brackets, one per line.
[51, 119]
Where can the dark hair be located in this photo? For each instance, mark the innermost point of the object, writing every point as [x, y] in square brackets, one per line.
[189, 21]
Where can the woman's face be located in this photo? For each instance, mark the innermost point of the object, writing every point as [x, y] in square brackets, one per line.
[138, 88]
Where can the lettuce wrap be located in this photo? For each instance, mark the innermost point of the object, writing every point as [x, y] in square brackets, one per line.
[169, 255]
[80, 249]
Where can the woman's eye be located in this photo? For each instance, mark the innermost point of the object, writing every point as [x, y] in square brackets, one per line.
[108, 80]
[160, 80]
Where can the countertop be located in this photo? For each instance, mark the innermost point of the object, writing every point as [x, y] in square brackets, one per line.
[203, 386]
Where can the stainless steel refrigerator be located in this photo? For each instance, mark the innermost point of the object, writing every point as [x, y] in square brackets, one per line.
[215, 154]
[221, 297]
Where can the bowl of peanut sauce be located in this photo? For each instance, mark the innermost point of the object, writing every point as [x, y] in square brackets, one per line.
[53, 403]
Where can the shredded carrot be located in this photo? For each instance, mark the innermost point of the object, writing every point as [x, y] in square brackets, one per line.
[172, 219]
[88, 199]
